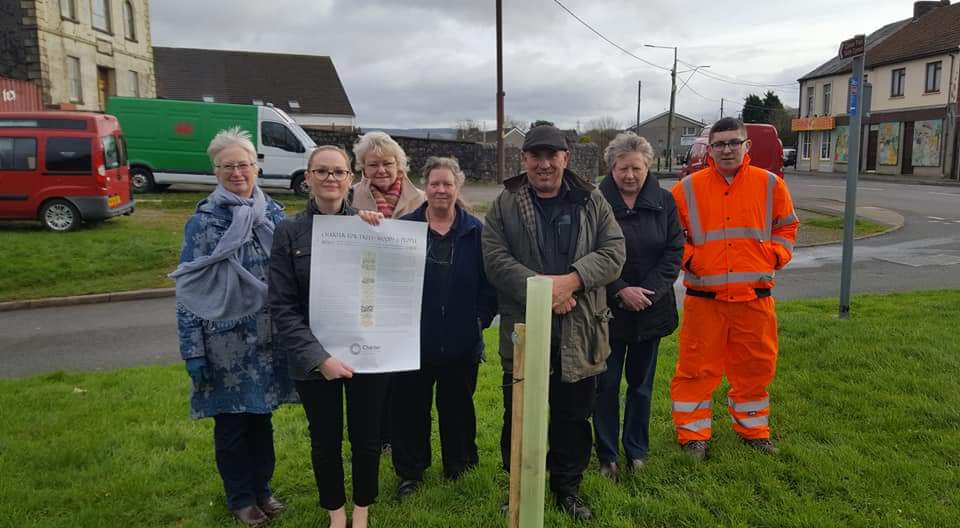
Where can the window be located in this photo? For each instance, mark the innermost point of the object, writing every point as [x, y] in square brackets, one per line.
[73, 80]
[209, 98]
[111, 152]
[897, 79]
[134, 83]
[294, 105]
[811, 95]
[101, 15]
[689, 131]
[805, 145]
[934, 70]
[827, 94]
[826, 140]
[258, 102]
[68, 9]
[66, 154]
[18, 153]
[129, 22]
[279, 136]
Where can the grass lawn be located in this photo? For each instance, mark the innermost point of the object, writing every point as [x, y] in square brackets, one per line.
[130, 253]
[864, 410]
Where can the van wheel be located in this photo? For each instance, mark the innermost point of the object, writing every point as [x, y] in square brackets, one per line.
[141, 180]
[300, 186]
[59, 215]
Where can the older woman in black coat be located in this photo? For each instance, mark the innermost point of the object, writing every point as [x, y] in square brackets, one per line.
[642, 299]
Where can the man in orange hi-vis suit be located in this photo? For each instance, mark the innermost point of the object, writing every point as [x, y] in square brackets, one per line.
[740, 227]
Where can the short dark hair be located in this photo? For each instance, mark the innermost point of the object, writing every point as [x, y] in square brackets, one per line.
[726, 124]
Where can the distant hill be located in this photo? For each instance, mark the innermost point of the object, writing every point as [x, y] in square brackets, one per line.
[425, 133]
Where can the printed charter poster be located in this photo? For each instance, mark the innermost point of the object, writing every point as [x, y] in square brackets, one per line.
[366, 285]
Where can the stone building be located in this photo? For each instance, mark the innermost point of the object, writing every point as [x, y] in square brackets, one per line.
[79, 51]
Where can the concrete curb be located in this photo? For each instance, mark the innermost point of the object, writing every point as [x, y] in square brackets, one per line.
[892, 219]
[97, 298]
[874, 178]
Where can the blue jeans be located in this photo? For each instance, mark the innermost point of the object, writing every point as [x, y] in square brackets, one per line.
[243, 444]
[638, 362]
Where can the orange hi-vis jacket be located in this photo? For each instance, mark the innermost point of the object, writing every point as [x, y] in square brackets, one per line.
[738, 234]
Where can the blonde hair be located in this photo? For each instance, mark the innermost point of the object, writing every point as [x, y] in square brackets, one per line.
[329, 148]
[380, 143]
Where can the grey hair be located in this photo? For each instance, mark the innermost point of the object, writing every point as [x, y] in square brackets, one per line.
[380, 143]
[451, 164]
[626, 143]
[231, 137]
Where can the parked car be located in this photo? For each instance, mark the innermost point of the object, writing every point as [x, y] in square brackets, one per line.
[766, 150]
[168, 141]
[789, 157]
[63, 168]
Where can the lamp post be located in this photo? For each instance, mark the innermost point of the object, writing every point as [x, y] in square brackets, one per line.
[673, 99]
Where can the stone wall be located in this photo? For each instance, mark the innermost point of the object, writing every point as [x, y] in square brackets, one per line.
[17, 43]
[478, 161]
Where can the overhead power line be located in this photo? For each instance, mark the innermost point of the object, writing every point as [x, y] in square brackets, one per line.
[608, 41]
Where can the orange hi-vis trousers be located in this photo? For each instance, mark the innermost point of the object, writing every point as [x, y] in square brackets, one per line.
[717, 338]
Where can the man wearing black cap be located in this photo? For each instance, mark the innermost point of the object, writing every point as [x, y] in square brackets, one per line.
[548, 221]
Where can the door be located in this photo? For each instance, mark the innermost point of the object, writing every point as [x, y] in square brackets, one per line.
[106, 85]
[18, 177]
[872, 145]
[281, 153]
[906, 167]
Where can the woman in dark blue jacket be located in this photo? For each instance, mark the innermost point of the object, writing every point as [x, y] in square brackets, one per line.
[458, 304]
[642, 299]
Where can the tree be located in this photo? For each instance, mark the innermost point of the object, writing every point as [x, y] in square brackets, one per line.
[469, 130]
[602, 131]
[770, 110]
[509, 123]
[753, 110]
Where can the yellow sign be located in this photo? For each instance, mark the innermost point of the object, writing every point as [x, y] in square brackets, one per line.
[806, 124]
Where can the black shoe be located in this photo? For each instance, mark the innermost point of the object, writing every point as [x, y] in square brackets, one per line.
[695, 449]
[608, 470]
[574, 506]
[764, 445]
[250, 516]
[407, 487]
[271, 506]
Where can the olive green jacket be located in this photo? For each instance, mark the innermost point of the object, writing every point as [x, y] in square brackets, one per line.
[511, 255]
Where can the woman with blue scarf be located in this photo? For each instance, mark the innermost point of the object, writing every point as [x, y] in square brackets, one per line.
[224, 326]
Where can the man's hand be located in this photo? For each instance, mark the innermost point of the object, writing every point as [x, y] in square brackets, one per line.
[635, 298]
[333, 368]
[371, 217]
[565, 307]
[564, 287]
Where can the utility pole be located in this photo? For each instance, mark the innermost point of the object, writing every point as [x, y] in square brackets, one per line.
[721, 108]
[639, 86]
[500, 95]
[673, 103]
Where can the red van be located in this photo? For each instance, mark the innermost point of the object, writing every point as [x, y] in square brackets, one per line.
[63, 168]
[766, 150]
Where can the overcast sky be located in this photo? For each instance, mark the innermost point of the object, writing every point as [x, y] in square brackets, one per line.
[432, 63]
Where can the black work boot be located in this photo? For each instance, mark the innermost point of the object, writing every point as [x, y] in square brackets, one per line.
[575, 507]
[764, 445]
[695, 449]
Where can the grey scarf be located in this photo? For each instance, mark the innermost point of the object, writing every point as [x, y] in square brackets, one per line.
[217, 287]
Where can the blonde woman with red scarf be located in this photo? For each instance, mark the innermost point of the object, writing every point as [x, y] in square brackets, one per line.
[385, 186]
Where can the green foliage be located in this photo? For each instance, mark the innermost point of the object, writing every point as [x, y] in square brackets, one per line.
[753, 110]
[864, 411]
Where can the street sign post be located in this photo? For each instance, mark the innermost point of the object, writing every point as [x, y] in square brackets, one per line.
[852, 48]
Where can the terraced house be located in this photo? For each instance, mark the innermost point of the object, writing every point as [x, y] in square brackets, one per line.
[79, 51]
[913, 66]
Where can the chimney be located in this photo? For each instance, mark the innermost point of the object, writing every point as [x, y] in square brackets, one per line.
[922, 8]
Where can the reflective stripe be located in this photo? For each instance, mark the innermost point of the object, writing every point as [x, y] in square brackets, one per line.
[768, 218]
[786, 220]
[734, 232]
[727, 278]
[783, 242]
[692, 406]
[752, 406]
[696, 426]
[752, 423]
[693, 214]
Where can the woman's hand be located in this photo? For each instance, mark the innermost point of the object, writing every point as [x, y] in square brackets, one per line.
[333, 368]
[371, 217]
[635, 298]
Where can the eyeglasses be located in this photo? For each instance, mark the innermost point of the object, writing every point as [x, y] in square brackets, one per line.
[323, 173]
[230, 167]
[733, 144]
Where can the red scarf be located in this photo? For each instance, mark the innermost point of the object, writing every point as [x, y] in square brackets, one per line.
[387, 202]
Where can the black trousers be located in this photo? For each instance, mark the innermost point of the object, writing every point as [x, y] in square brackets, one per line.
[411, 407]
[569, 432]
[323, 405]
[243, 445]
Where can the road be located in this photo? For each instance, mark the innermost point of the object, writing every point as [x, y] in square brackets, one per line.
[924, 254]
